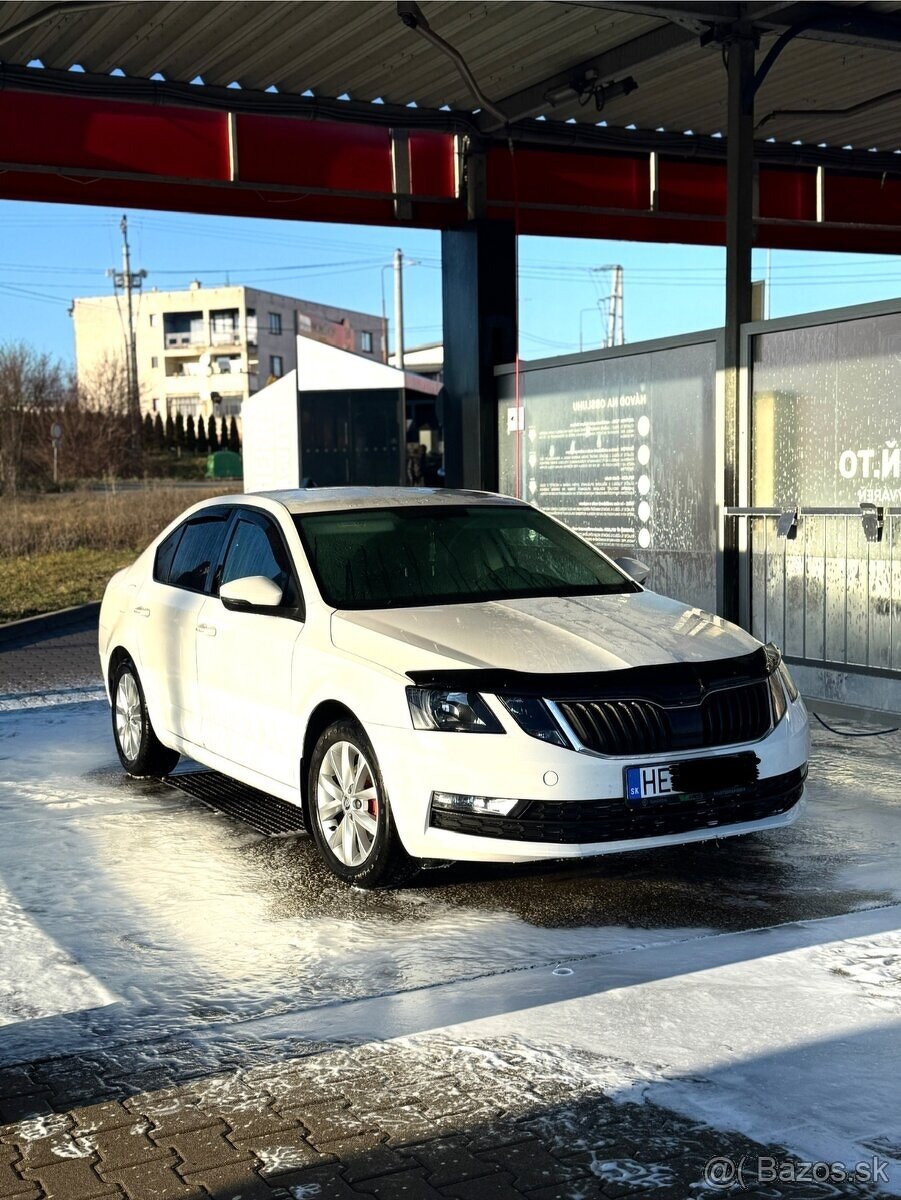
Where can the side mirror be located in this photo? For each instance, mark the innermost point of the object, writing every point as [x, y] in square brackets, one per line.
[253, 591]
[636, 570]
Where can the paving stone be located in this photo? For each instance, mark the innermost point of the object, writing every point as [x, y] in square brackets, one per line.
[70, 1083]
[110, 1114]
[350, 1148]
[199, 1148]
[486, 1187]
[585, 1188]
[331, 1122]
[20, 1108]
[408, 1124]
[317, 1183]
[33, 1128]
[170, 1112]
[530, 1164]
[493, 1134]
[52, 1150]
[407, 1185]
[448, 1162]
[282, 1152]
[154, 1180]
[124, 1146]
[14, 1081]
[358, 1163]
[298, 1088]
[236, 1181]
[11, 1182]
[248, 1121]
[69, 1179]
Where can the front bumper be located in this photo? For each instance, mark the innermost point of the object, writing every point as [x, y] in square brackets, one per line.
[576, 822]
[583, 812]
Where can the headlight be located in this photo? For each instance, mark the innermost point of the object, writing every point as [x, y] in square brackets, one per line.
[790, 686]
[777, 696]
[533, 717]
[775, 670]
[451, 712]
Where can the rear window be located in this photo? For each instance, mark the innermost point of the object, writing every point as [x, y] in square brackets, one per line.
[165, 552]
[197, 552]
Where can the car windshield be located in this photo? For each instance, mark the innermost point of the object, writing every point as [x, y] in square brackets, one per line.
[404, 556]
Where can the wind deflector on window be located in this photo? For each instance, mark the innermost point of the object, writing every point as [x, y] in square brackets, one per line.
[669, 683]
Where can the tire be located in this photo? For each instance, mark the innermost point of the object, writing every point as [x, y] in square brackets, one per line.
[140, 751]
[352, 825]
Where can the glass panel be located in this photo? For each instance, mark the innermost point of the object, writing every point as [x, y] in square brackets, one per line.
[624, 450]
[254, 550]
[410, 556]
[825, 433]
[197, 551]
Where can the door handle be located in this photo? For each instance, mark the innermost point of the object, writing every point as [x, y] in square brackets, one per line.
[207, 630]
[141, 610]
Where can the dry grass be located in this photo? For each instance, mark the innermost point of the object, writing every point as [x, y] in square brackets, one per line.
[87, 520]
[46, 582]
[59, 550]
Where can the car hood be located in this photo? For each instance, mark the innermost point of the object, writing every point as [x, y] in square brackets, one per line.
[544, 634]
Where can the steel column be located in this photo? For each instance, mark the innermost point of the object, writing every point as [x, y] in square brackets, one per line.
[480, 333]
[740, 208]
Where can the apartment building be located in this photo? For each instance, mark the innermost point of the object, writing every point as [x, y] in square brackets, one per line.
[204, 350]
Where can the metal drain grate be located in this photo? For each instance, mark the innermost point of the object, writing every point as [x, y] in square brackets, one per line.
[266, 814]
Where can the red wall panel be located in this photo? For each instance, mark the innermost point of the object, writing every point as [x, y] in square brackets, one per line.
[65, 131]
[320, 154]
[549, 191]
[788, 192]
[432, 171]
[874, 200]
[687, 186]
[568, 177]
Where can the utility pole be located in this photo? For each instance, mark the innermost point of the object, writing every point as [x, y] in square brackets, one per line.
[615, 335]
[399, 309]
[130, 282]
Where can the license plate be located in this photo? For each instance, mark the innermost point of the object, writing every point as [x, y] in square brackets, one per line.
[648, 783]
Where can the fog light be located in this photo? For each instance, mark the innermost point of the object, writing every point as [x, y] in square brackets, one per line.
[456, 802]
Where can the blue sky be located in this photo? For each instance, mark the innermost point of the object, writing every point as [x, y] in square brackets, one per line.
[52, 253]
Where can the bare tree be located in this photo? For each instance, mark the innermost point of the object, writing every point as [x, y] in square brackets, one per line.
[97, 428]
[31, 383]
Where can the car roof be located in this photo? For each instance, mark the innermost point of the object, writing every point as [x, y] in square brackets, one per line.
[340, 499]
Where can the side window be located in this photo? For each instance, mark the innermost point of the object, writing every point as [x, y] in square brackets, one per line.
[165, 552]
[197, 552]
[257, 549]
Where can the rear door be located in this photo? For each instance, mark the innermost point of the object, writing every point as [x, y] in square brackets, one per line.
[245, 658]
[169, 605]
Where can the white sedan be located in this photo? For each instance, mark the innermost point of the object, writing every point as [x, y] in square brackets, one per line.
[440, 675]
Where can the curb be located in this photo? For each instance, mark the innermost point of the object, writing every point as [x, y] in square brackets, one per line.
[47, 623]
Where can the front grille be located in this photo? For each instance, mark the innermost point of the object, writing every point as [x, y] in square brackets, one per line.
[568, 822]
[628, 727]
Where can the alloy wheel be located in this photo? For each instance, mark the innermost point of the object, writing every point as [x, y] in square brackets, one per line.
[347, 803]
[129, 716]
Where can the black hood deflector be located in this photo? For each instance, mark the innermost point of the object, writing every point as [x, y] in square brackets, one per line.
[667, 683]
